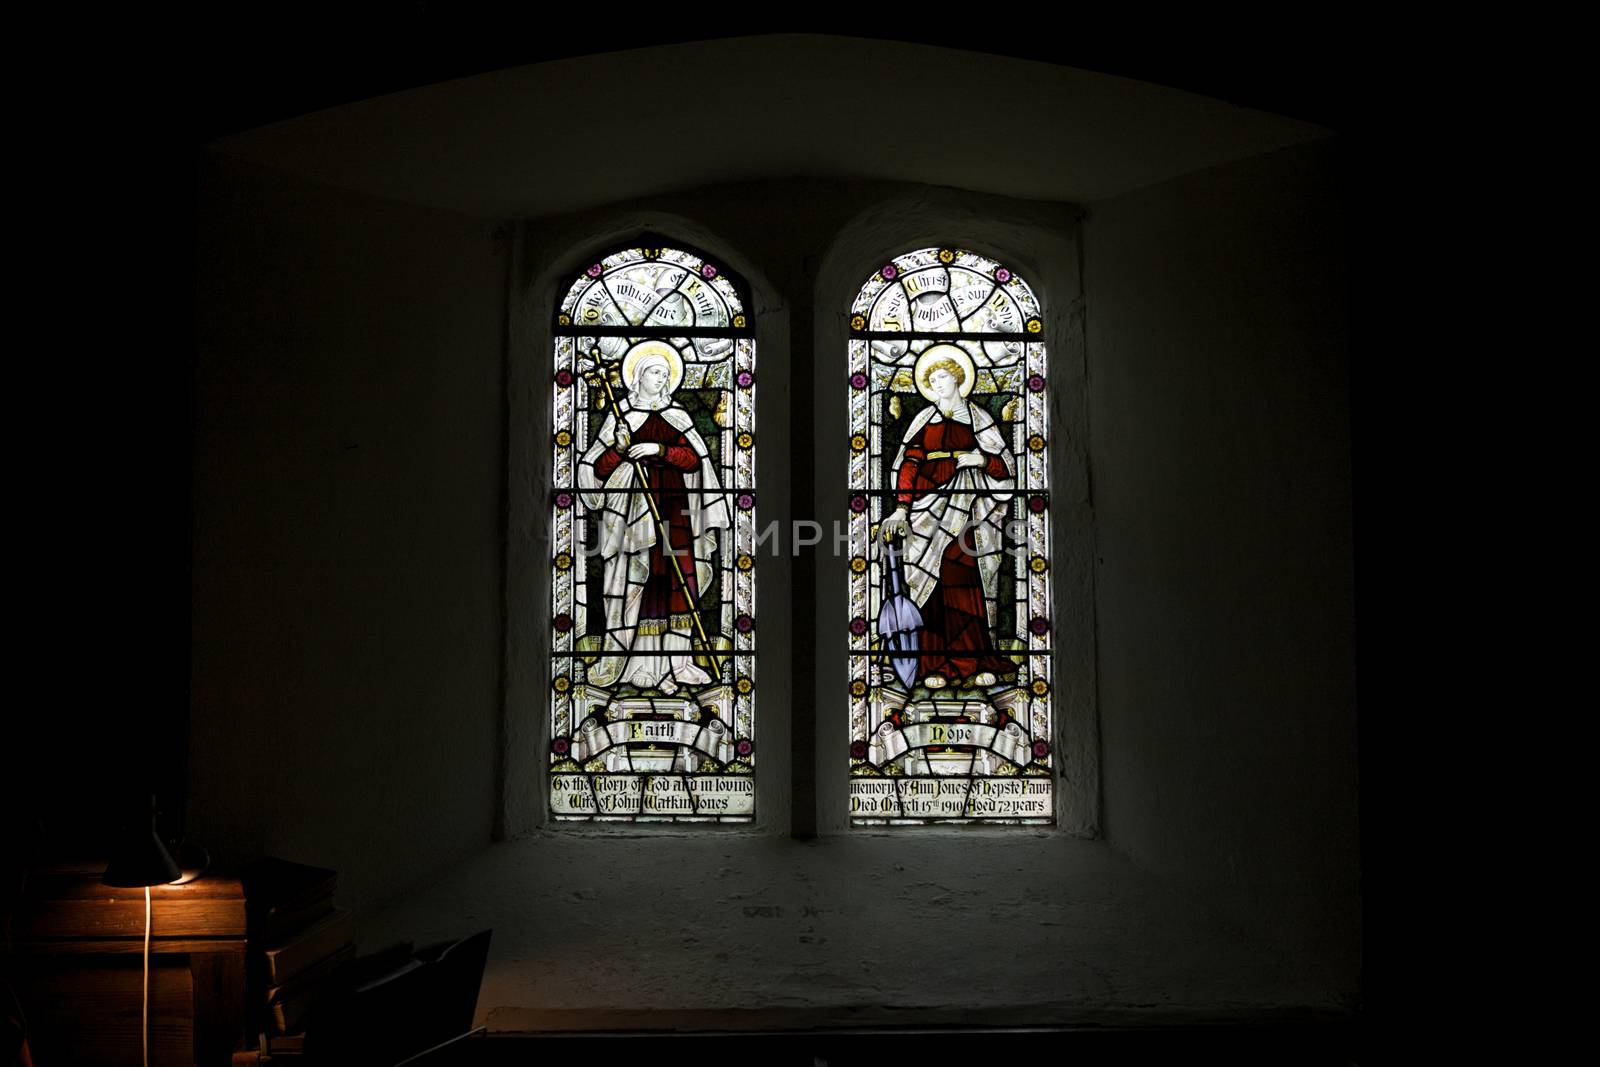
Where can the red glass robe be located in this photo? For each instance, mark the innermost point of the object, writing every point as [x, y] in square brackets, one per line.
[955, 624]
[663, 594]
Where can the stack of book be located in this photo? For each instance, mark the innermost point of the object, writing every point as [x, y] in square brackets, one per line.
[299, 940]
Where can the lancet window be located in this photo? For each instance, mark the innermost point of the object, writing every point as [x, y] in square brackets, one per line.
[653, 628]
[949, 634]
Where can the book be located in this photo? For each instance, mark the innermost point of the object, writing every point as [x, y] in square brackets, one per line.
[283, 924]
[314, 976]
[300, 951]
[289, 1003]
[374, 966]
[281, 1044]
[275, 887]
[289, 1015]
[433, 989]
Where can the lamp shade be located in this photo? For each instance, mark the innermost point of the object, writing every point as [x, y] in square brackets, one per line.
[141, 860]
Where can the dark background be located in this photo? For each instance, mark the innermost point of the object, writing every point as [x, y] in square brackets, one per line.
[121, 122]
[114, 130]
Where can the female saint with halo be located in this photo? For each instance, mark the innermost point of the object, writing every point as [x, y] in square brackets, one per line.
[954, 477]
[656, 560]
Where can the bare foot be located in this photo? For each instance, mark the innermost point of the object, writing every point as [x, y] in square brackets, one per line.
[689, 674]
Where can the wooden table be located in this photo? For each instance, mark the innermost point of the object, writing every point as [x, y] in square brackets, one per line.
[74, 936]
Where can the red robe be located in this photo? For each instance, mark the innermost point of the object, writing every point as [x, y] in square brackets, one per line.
[663, 594]
[955, 624]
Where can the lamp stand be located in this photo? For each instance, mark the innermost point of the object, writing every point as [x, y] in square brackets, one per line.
[144, 1016]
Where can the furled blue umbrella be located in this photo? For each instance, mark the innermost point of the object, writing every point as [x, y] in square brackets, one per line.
[899, 622]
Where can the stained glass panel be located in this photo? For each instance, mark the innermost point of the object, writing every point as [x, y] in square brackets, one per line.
[653, 620]
[948, 639]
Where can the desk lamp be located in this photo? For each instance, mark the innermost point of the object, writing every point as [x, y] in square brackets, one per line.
[143, 861]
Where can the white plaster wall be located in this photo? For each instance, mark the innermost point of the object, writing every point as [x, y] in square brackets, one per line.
[534, 140]
[627, 926]
[1220, 454]
[348, 460]
[669, 932]
[350, 609]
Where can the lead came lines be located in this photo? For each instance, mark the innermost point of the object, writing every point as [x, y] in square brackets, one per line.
[995, 356]
[683, 681]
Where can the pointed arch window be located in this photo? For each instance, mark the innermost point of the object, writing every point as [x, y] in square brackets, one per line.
[949, 568]
[653, 620]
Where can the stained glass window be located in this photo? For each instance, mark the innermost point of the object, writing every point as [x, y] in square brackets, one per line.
[653, 615]
[949, 568]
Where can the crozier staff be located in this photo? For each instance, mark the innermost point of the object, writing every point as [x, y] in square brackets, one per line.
[657, 558]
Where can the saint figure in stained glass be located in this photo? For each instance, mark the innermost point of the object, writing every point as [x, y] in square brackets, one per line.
[653, 519]
[649, 477]
[954, 474]
[950, 683]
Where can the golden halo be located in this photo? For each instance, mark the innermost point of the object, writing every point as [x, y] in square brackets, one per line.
[956, 355]
[630, 362]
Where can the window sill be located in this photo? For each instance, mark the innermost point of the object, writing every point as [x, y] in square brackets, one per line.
[754, 931]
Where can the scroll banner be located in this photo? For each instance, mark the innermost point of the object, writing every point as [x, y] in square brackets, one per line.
[953, 797]
[693, 795]
[1008, 742]
[711, 739]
